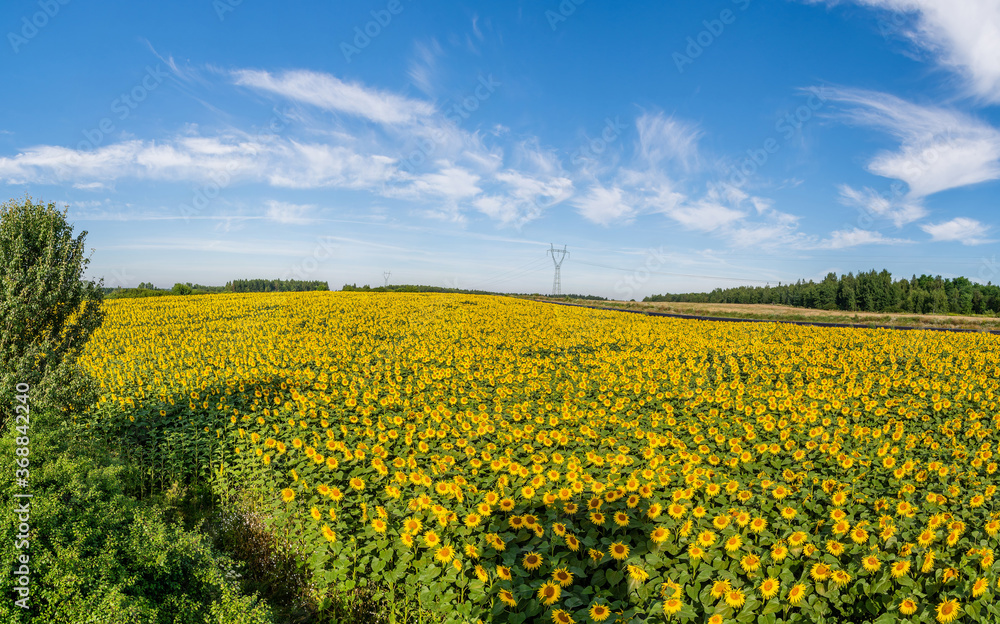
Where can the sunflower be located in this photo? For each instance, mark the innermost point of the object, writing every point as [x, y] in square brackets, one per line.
[572, 542]
[676, 511]
[948, 611]
[695, 551]
[720, 589]
[733, 543]
[445, 553]
[900, 568]
[431, 539]
[871, 563]
[672, 606]
[779, 552]
[531, 561]
[503, 573]
[563, 577]
[482, 574]
[618, 551]
[908, 607]
[796, 594]
[288, 495]
[621, 519]
[508, 598]
[599, 612]
[720, 522]
[758, 524]
[979, 587]
[659, 535]
[379, 525]
[561, 617]
[637, 574]
[548, 593]
[706, 538]
[750, 563]
[841, 578]
[735, 598]
[769, 588]
[928, 563]
[820, 571]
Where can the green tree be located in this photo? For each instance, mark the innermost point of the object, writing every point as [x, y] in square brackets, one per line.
[181, 289]
[47, 313]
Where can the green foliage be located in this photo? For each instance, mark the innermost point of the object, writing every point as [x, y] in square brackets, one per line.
[277, 285]
[180, 289]
[135, 293]
[97, 554]
[47, 313]
[869, 291]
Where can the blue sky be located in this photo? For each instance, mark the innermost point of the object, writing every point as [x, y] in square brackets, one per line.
[672, 147]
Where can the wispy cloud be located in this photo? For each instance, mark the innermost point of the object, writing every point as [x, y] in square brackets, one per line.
[842, 239]
[898, 209]
[960, 229]
[284, 212]
[963, 36]
[330, 93]
[939, 149]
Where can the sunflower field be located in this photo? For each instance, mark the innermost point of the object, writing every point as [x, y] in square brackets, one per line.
[502, 460]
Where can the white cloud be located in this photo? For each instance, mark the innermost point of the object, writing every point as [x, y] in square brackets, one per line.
[664, 139]
[940, 149]
[894, 207]
[422, 67]
[604, 206]
[842, 239]
[284, 212]
[963, 35]
[960, 229]
[330, 93]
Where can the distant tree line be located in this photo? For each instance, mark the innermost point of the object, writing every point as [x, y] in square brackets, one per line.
[413, 288]
[147, 289]
[869, 291]
[442, 289]
[275, 285]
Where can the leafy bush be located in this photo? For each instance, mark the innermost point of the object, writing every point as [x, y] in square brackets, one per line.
[97, 554]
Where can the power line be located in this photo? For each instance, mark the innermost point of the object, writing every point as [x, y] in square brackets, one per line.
[506, 276]
[556, 283]
[735, 279]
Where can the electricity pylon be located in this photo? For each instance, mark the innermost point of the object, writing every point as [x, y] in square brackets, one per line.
[387, 274]
[556, 284]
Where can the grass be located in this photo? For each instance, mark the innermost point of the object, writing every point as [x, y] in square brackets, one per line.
[789, 313]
